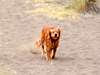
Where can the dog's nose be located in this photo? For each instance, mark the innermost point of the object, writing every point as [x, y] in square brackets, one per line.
[55, 35]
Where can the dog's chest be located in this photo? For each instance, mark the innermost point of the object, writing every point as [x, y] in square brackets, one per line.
[51, 44]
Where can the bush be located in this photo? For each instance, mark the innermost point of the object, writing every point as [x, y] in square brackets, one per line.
[85, 5]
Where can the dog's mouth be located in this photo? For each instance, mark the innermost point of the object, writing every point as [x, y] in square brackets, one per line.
[54, 36]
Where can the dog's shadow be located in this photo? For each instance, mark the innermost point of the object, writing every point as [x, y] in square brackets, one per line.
[64, 59]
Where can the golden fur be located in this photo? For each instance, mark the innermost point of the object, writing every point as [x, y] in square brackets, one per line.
[49, 41]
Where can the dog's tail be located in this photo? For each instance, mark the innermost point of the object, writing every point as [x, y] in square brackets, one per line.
[38, 43]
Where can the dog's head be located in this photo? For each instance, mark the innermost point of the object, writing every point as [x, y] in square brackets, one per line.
[55, 33]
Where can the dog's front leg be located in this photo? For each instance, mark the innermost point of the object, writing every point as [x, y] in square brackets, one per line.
[53, 53]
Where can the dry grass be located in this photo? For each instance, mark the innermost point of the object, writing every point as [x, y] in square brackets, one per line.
[41, 1]
[53, 10]
[57, 11]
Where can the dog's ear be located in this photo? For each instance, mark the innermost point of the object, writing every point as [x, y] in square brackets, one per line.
[59, 31]
[48, 34]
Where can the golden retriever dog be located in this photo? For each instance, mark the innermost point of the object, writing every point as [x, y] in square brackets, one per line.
[49, 41]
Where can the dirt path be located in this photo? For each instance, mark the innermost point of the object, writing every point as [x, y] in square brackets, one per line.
[78, 54]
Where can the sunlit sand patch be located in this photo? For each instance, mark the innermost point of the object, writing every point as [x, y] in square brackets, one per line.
[29, 46]
[26, 46]
[6, 70]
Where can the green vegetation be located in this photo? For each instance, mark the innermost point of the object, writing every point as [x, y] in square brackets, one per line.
[85, 5]
[79, 5]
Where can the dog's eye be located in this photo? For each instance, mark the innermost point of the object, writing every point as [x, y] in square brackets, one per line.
[53, 32]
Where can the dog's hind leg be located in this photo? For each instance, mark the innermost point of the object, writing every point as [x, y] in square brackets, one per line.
[43, 50]
[42, 46]
[48, 56]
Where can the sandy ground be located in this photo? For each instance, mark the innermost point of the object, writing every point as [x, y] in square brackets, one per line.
[78, 54]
